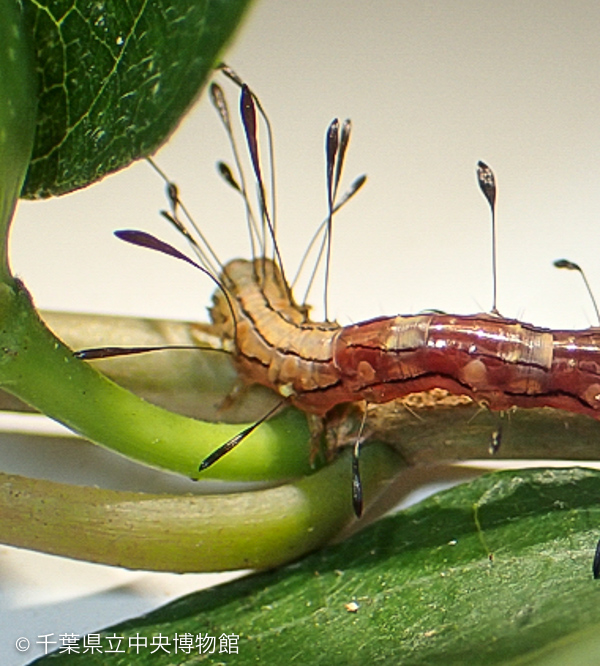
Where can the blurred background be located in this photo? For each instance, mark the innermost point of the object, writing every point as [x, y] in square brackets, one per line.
[431, 89]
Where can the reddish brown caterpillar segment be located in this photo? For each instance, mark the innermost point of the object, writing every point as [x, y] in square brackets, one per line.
[501, 362]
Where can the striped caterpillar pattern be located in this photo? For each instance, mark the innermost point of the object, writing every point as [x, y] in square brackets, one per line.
[499, 362]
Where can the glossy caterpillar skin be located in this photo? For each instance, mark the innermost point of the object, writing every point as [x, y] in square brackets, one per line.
[500, 362]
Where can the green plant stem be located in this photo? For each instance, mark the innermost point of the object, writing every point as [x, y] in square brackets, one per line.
[188, 533]
[18, 104]
[36, 367]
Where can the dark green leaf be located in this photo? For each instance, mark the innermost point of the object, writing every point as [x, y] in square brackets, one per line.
[116, 77]
[487, 573]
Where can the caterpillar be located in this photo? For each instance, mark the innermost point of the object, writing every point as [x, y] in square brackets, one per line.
[498, 362]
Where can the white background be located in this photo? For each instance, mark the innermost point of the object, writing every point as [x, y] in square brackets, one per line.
[431, 88]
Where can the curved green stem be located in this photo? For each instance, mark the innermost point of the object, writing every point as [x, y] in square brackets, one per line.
[39, 369]
[188, 533]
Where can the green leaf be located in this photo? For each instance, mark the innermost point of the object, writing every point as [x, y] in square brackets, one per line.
[116, 78]
[498, 571]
